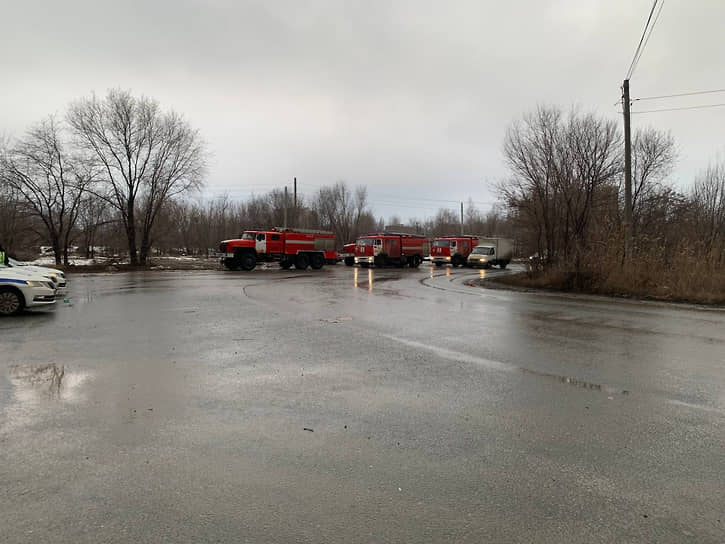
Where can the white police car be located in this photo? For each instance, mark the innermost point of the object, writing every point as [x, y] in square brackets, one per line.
[23, 289]
[56, 276]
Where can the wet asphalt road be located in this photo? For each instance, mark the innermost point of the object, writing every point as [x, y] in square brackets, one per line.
[355, 405]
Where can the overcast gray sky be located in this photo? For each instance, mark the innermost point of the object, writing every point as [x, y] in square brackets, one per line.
[411, 98]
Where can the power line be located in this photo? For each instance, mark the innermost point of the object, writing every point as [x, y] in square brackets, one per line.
[649, 35]
[638, 51]
[677, 95]
[704, 106]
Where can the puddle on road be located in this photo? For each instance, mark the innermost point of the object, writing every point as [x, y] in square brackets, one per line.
[49, 381]
[45, 379]
[574, 382]
[367, 279]
[337, 319]
[498, 365]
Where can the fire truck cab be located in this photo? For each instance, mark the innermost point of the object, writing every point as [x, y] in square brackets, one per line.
[453, 250]
[348, 254]
[380, 249]
[301, 248]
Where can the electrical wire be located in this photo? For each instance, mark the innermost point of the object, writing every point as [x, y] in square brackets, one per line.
[649, 35]
[677, 95]
[704, 106]
[640, 48]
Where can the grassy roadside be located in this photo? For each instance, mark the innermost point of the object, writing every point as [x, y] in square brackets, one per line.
[695, 285]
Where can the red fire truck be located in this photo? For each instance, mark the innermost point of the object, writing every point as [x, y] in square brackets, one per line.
[453, 250]
[298, 247]
[387, 247]
[348, 254]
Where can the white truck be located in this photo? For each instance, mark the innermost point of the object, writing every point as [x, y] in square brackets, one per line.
[491, 251]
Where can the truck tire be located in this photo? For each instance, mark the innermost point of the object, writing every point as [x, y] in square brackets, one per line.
[231, 264]
[11, 301]
[247, 261]
[316, 261]
[438, 264]
[403, 261]
[379, 261]
[457, 261]
[285, 264]
[503, 264]
[302, 262]
[349, 261]
[414, 261]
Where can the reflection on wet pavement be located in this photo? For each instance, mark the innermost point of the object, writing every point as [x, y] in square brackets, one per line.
[46, 379]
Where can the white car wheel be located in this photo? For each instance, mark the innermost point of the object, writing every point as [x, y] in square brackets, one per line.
[10, 302]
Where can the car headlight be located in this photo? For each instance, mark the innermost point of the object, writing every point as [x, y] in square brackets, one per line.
[31, 283]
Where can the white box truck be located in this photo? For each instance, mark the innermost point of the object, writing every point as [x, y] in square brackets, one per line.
[491, 251]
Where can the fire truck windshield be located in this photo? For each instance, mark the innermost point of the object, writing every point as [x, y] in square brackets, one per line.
[249, 236]
[365, 242]
[441, 243]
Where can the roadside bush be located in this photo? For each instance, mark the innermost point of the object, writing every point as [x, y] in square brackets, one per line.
[689, 273]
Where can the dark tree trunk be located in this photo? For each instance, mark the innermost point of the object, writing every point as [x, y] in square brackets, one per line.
[55, 242]
[131, 232]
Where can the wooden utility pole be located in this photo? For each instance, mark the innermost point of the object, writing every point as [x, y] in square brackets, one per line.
[627, 171]
[285, 206]
[461, 218]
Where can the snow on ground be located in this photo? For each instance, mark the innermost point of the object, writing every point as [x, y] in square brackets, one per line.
[50, 261]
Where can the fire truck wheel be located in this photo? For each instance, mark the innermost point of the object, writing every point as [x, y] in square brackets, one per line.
[378, 261]
[302, 262]
[316, 261]
[457, 261]
[503, 264]
[414, 261]
[439, 265]
[285, 264]
[248, 261]
[349, 261]
[231, 264]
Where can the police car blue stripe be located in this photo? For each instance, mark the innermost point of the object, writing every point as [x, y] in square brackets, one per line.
[11, 280]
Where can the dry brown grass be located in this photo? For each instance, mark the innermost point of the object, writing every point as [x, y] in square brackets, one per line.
[687, 275]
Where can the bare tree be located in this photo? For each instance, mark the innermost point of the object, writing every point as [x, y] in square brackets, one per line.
[589, 160]
[653, 158]
[93, 214]
[342, 210]
[13, 222]
[708, 198]
[147, 156]
[50, 180]
[562, 171]
[530, 150]
[446, 222]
